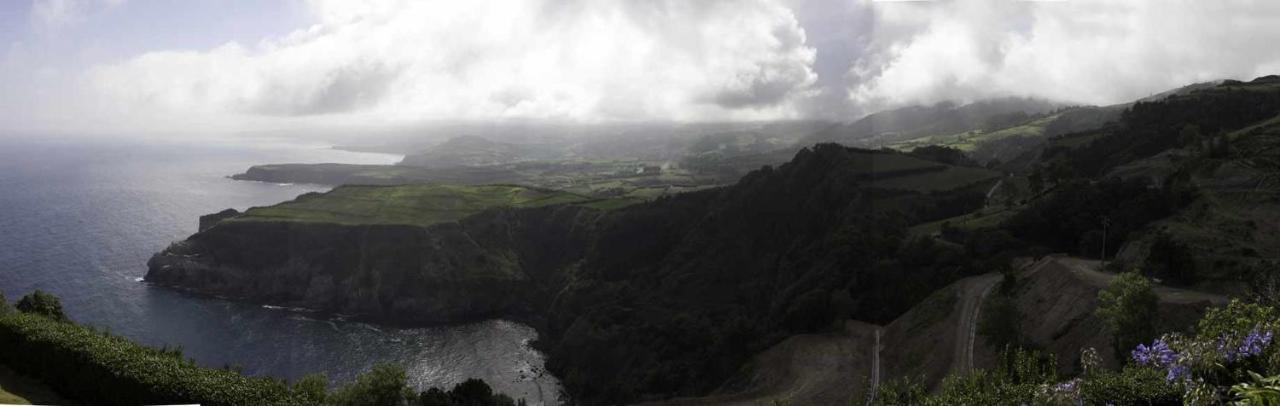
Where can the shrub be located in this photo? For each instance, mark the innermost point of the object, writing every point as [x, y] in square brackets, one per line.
[1261, 391]
[1231, 346]
[98, 368]
[4, 305]
[101, 369]
[1000, 322]
[1130, 386]
[1171, 260]
[472, 392]
[1236, 316]
[385, 385]
[312, 389]
[1128, 307]
[1020, 376]
[904, 391]
[42, 303]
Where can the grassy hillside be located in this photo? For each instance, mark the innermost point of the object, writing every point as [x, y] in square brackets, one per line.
[891, 126]
[969, 140]
[1232, 225]
[631, 178]
[1187, 183]
[676, 294]
[420, 205]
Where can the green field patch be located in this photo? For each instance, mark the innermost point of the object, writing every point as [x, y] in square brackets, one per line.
[969, 140]
[420, 205]
[986, 218]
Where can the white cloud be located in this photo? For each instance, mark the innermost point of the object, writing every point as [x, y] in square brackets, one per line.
[57, 13]
[53, 14]
[1091, 51]
[415, 60]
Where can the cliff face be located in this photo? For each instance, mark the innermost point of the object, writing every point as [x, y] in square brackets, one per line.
[209, 220]
[655, 300]
[501, 262]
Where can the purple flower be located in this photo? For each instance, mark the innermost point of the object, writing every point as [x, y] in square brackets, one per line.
[1254, 343]
[1158, 354]
[1068, 386]
[1177, 372]
[1228, 352]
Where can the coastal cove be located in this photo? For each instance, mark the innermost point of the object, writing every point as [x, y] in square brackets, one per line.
[82, 218]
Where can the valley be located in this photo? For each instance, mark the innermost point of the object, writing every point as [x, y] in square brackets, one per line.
[836, 275]
[823, 238]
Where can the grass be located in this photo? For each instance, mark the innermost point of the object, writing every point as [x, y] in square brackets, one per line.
[1269, 126]
[421, 204]
[613, 204]
[969, 140]
[16, 389]
[986, 218]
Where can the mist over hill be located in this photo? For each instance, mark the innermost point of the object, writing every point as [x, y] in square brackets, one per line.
[659, 203]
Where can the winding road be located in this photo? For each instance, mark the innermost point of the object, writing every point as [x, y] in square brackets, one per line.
[972, 293]
[825, 368]
[875, 368]
[1087, 270]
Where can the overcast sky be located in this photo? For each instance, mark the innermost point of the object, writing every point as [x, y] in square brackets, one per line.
[112, 66]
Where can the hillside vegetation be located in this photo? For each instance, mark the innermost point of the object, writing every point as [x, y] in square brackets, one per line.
[671, 297]
[1184, 185]
[419, 205]
[655, 299]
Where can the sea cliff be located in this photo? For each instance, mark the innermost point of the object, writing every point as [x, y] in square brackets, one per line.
[498, 263]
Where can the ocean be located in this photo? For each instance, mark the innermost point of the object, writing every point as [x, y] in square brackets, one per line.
[80, 217]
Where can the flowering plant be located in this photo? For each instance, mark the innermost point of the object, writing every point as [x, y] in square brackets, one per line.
[1232, 343]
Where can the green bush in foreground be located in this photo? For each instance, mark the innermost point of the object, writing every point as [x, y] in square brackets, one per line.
[385, 385]
[1230, 359]
[42, 303]
[469, 392]
[83, 364]
[1128, 307]
[4, 305]
[102, 369]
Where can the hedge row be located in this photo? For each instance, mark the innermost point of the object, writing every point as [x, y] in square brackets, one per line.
[99, 368]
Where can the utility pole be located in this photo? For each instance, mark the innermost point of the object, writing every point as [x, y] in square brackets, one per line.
[1106, 221]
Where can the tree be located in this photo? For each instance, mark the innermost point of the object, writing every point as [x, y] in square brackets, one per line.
[385, 385]
[1236, 317]
[1171, 260]
[1189, 135]
[42, 303]
[1035, 180]
[1001, 322]
[1060, 172]
[472, 392]
[1128, 308]
[4, 305]
[1090, 243]
[312, 388]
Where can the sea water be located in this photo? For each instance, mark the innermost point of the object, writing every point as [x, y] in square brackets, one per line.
[80, 217]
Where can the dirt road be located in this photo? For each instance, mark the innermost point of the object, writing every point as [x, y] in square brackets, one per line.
[972, 292]
[875, 368]
[1087, 270]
